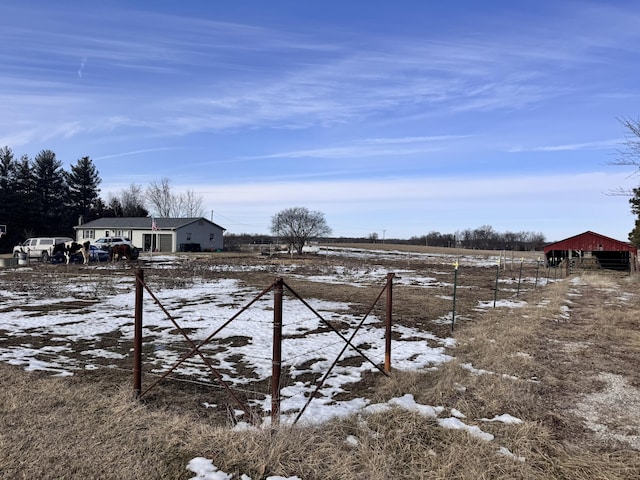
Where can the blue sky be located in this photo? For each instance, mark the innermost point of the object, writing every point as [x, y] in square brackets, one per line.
[398, 118]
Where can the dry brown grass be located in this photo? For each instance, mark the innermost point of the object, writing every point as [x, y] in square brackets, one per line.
[537, 364]
[60, 428]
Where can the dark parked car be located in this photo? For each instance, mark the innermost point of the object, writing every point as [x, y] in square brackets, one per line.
[97, 254]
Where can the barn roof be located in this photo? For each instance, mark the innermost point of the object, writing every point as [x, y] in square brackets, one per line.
[143, 223]
[591, 242]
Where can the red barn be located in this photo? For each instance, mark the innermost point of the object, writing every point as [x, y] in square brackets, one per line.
[590, 249]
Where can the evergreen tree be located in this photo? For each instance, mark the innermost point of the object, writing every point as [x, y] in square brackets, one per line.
[8, 199]
[634, 235]
[83, 181]
[51, 193]
[98, 210]
[25, 191]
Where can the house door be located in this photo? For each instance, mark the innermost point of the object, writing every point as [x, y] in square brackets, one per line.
[147, 240]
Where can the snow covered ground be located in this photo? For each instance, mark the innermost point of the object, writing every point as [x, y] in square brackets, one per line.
[64, 337]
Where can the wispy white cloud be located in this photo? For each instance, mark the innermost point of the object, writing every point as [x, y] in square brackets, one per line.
[345, 84]
[433, 138]
[132, 153]
[424, 189]
[372, 147]
[596, 145]
[353, 151]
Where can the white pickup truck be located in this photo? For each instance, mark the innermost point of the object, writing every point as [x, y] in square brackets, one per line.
[39, 247]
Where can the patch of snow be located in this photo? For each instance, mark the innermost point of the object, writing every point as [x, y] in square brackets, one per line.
[457, 413]
[507, 453]
[504, 418]
[457, 424]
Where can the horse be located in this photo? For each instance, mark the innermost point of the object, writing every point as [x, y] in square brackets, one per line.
[123, 250]
[69, 249]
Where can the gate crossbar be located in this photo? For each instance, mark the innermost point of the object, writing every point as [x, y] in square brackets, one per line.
[196, 348]
[335, 330]
[278, 284]
[348, 341]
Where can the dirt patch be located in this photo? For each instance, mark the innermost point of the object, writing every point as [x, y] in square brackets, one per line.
[613, 413]
[589, 351]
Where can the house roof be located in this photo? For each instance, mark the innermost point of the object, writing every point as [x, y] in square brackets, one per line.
[591, 241]
[143, 223]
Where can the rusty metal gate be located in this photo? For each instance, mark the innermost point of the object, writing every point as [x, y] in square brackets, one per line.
[278, 287]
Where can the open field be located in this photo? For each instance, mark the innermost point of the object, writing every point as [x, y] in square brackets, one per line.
[544, 385]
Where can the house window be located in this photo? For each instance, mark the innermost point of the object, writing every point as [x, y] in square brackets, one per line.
[211, 236]
[88, 234]
[122, 233]
[188, 237]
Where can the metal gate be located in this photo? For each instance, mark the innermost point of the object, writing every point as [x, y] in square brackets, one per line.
[278, 287]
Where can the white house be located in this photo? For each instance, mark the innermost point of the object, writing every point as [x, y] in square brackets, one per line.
[167, 235]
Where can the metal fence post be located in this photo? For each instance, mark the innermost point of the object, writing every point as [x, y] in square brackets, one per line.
[520, 277]
[387, 344]
[137, 335]
[455, 287]
[495, 290]
[276, 364]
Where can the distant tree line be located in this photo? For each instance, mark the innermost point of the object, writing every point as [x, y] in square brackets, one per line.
[484, 238]
[38, 197]
[481, 238]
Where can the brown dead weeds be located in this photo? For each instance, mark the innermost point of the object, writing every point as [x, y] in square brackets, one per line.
[565, 363]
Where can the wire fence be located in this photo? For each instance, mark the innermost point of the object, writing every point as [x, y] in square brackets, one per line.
[289, 374]
[337, 337]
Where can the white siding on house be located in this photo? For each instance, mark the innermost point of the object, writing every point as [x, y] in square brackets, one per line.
[169, 239]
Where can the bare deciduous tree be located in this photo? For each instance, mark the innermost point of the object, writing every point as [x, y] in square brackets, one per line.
[629, 154]
[166, 203]
[160, 197]
[129, 202]
[192, 204]
[298, 225]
